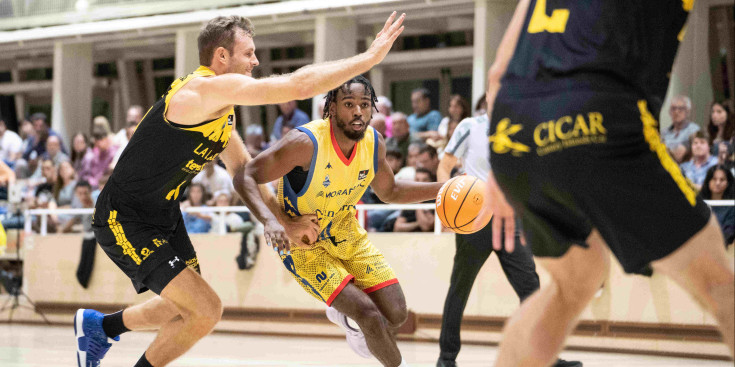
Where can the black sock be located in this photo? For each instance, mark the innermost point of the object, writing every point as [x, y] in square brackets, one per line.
[143, 362]
[113, 325]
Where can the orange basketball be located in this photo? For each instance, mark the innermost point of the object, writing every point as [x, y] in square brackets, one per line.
[458, 203]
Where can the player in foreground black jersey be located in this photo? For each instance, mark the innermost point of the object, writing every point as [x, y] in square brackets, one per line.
[574, 148]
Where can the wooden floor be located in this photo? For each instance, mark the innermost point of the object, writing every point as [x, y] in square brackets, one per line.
[51, 346]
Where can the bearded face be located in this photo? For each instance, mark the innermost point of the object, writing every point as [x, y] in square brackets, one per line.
[352, 110]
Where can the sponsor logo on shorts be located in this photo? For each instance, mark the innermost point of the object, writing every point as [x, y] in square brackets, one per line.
[369, 269]
[569, 131]
[363, 174]
[172, 262]
[501, 141]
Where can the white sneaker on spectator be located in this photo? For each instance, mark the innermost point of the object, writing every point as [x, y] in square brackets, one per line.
[355, 337]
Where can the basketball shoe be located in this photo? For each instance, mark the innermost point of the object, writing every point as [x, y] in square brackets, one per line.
[355, 337]
[92, 342]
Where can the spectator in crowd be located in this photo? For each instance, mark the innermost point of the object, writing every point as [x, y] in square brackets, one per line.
[96, 164]
[129, 130]
[255, 140]
[53, 151]
[676, 137]
[214, 178]
[421, 220]
[378, 123]
[54, 154]
[696, 168]
[10, 144]
[101, 124]
[394, 159]
[402, 136]
[718, 185]
[408, 172]
[43, 195]
[291, 115]
[721, 126]
[35, 144]
[724, 152]
[385, 107]
[196, 222]
[27, 133]
[480, 107]
[458, 110]
[64, 185]
[132, 119]
[427, 159]
[424, 121]
[100, 185]
[42, 131]
[79, 149]
[82, 199]
[64, 190]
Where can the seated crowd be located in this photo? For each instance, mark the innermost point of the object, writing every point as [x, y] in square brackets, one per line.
[54, 176]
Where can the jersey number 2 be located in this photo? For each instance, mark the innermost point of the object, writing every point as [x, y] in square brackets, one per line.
[540, 22]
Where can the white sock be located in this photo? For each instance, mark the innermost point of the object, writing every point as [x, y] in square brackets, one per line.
[403, 363]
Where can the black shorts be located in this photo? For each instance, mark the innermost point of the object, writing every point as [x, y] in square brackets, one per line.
[580, 159]
[149, 252]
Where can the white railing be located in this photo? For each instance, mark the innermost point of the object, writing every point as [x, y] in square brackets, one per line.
[222, 211]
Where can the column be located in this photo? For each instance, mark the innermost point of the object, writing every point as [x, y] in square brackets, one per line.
[690, 74]
[334, 39]
[187, 52]
[71, 109]
[20, 100]
[491, 20]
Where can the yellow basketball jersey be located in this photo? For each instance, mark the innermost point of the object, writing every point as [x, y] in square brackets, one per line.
[334, 184]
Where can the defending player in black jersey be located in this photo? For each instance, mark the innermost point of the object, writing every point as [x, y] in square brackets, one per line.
[574, 147]
[137, 219]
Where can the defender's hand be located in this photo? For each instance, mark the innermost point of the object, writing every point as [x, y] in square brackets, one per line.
[504, 215]
[302, 230]
[385, 38]
[275, 236]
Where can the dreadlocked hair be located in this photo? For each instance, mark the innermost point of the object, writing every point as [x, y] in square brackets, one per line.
[332, 95]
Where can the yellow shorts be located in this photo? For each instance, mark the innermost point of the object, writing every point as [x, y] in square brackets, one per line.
[325, 269]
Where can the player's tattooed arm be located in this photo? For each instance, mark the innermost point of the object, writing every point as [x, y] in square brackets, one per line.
[391, 190]
[294, 149]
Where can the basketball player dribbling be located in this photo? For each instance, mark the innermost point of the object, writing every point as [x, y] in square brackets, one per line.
[137, 219]
[324, 167]
[575, 149]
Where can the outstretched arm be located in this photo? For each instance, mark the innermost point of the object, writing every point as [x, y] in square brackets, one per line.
[236, 157]
[494, 197]
[295, 149]
[391, 191]
[237, 89]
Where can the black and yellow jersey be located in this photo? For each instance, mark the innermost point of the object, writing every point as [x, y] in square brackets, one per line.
[631, 41]
[162, 156]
